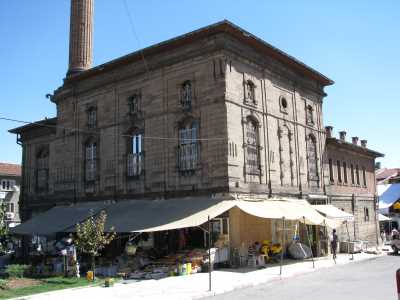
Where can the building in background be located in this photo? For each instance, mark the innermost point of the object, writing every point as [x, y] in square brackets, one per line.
[352, 184]
[10, 181]
[388, 185]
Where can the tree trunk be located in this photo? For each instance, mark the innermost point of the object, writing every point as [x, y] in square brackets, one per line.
[93, 265]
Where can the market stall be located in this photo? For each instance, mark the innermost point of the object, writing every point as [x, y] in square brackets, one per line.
[183, 236]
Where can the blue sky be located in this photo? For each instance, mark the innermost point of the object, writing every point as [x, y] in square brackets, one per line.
[355, 43]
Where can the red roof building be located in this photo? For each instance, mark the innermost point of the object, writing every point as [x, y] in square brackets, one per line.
[10, 169]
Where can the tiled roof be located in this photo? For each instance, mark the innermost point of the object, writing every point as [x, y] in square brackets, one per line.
[386, 173]
[10, 169]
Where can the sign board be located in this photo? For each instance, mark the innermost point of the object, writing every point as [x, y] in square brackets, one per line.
[3, 195]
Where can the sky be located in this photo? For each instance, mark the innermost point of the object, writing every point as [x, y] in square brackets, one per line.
[355, 43]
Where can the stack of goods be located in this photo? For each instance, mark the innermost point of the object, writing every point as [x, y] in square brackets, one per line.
[142, 266]
[298, 250]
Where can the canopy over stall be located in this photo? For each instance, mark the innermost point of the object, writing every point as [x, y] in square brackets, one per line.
[159, 215]
[279, 208]
[383, 218]
[57, 219]
[334, 213]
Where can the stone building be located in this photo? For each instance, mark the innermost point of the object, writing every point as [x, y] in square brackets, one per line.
[213, 112]
[10, 181]
[352, 184]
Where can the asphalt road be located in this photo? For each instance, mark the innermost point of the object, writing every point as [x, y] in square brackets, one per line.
[366, 280]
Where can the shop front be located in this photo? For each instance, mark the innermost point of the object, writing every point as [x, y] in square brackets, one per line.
[158, 238]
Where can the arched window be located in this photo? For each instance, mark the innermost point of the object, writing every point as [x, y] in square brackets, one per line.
[90, 161]
[313, 159]
[186, 95]
[250, 91]
[252, 148]
[135, 157]
[188, 149]
[42, 170]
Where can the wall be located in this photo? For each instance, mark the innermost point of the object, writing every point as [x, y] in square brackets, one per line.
[283, 132]
[354, 198]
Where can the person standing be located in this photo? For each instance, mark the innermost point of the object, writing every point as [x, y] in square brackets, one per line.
[334, 243]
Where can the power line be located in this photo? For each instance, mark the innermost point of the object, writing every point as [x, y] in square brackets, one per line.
[135, 34]
[94, 132]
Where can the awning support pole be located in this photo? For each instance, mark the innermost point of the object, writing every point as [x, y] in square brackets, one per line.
[283, 241]
[348, 244]
[309, 243]
[209, 254]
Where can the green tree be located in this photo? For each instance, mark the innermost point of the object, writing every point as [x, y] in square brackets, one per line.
[3, 228]
[91, 238]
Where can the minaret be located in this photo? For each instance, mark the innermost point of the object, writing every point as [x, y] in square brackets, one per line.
[80, 36]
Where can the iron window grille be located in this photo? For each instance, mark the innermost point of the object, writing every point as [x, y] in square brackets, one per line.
[188, 149]
[91, 162]
[187, 95]
[252, 148]
[135, 158]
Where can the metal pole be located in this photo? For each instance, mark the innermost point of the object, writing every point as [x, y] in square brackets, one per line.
[283, 241]
[348, 244]
[398, 283]
[209, 254]
[309, 242]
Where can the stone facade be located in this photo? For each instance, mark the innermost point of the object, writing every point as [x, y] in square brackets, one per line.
[352, 187]
[216, 111]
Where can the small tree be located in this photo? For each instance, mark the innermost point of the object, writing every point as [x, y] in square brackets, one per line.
[3, 228]
[91, 238]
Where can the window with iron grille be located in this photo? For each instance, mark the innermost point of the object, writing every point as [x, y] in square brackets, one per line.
[187, 95]
[312, 158]
[135, 156]
[188, 149]
[42, 170]
[90, 161]
[92, 117]
[252, 148]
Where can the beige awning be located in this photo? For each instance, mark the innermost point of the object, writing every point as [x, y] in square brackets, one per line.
[383, 218]
[290, 209]
[57, 219]
[332, 212]
[158, 215]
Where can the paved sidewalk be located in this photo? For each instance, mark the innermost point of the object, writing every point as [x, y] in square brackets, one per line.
[196, 286]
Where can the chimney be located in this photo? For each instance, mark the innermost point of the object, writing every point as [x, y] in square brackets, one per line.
[80, 36]
[328, 130]
[354, 139]
[364, 143]
[342, 135]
